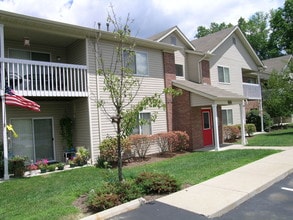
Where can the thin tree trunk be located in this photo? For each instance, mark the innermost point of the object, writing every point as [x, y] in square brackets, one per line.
[119, 149]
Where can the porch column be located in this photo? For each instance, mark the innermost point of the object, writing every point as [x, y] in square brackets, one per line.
[260, 106]
[242, 117]
[5, 146]
[216, 128]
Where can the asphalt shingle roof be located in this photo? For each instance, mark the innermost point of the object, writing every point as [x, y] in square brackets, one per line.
[278, 64]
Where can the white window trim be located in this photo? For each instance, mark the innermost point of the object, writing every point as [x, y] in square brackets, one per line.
[224, 75]
[226, 112]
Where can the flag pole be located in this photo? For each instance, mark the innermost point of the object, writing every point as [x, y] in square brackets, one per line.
[5, 145]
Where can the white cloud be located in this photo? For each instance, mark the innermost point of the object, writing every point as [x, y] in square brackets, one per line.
[150, 16]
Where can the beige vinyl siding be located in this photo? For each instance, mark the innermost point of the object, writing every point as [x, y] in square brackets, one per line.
[153, 83]
[76, 52]
[93, 120]
[168, 40]
[193, 73]
[197, 100]
[81, 123]
[235, 57]
[236, 113]
[180, 59]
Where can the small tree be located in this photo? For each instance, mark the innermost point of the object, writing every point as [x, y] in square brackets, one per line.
[122, 85]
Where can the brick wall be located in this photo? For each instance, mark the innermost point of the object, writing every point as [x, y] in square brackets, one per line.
[252, 104]
[169, 75]
[205, 70]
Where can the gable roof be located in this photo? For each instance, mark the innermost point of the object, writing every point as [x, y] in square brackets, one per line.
[278, 63]
[162, 35]
[207, 91]
[209, 43]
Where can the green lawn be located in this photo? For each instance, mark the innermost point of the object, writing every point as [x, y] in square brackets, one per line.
[282, 137]
[51, 196]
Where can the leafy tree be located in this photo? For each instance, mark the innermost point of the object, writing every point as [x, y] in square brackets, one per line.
[122, 85]
[282, 28]
[214, 27]
[278, 94]
[256, 32]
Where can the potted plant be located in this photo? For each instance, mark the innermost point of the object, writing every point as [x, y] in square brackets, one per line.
[51, 167]
[60, 166]
[42, 165]
[71, 163]
[81, 156]
[32, 168]
[17, 165]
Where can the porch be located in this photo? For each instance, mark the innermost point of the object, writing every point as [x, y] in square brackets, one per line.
[50, 79]
[252, 91]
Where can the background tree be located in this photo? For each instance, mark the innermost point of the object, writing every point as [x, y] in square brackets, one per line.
[122, 85]
[269, 34]
[278, 94]
[214, 27]
[282, 28]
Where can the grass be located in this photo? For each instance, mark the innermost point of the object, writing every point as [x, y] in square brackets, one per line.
[282, 137]
[52, 196]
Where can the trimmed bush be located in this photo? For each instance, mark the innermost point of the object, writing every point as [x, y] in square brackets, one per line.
[249, 129]
[162, 140]
[253, 117]
[113, 194]
[157, 183]
[231, 133]
[140, 144]
[108, 149]
[181, 141]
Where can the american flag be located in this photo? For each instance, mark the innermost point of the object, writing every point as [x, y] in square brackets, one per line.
[13, 99]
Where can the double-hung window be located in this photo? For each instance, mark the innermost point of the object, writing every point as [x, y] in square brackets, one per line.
[227, 116]
[144, 127]
[179, 70]
[223, 74]
[137, 62]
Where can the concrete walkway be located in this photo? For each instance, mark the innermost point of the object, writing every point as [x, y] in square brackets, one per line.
[221, 194]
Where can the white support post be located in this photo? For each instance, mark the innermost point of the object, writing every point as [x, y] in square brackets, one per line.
[5, 145]
[261, 116]
[216, 128]
[242, 115]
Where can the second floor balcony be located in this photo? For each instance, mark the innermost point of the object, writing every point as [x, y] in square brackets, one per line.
[35, 78]
[252, 91]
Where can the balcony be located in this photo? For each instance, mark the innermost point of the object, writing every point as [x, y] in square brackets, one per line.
[34, 78]
[252, 91]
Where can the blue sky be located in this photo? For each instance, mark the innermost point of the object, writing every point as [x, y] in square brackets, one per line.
[150, 16]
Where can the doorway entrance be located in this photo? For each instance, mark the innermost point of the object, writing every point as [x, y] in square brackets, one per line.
[35, 138]
[207, 127]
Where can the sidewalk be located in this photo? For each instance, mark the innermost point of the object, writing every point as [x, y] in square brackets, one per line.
[221, 194]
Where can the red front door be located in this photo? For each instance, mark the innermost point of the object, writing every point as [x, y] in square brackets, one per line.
[207, 127]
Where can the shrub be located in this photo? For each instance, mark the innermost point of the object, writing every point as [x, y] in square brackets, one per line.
[249, 129]
[17, 165]
[253, 117]
[113, 194]
[82, 156]
[140, 144]
[156, 183]
[51, 167]
[163, 141]
[108, 149]
[231, 132]
[181, 141]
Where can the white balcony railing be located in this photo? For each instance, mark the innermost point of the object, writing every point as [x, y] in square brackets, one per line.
[252, 91]
[34, 78]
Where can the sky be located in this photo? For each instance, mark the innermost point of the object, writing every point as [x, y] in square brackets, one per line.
[149, 16]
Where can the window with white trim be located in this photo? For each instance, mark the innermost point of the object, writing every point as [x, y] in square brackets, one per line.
[137, 62]
[223, 74]
[227, 116]
[145, 127]
[179, 69]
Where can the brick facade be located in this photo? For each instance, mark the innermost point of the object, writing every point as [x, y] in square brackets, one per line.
[205, 70]
[252, 104]
[169, 75]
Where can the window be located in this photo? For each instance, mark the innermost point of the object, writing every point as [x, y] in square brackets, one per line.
[145, 128]
[223, 74]
[227, 117]
[179, 70]
[29, 55]
[138, 63]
